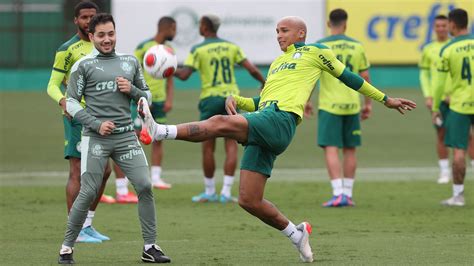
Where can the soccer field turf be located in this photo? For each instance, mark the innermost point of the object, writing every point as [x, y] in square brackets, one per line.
[398, 219]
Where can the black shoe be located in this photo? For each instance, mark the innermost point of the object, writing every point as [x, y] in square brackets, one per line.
[155, 255]
[66, 259]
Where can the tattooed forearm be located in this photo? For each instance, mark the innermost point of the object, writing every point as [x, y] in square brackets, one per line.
[195, 130]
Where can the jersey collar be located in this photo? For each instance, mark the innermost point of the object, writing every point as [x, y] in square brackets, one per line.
[293, 47]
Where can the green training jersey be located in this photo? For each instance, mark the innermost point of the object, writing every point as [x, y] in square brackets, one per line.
[157, 86]
[334, 96]
[215, 59]
[293, 75]
[66, 56]
[457, 61]
[429, 69]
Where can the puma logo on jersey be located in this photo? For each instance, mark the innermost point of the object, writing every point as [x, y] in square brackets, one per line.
[100, 68]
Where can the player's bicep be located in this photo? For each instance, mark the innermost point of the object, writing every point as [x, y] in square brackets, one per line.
[327, 61]
[76, 83]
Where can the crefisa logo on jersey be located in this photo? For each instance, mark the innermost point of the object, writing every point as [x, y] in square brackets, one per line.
[297, 55]
[126, 67]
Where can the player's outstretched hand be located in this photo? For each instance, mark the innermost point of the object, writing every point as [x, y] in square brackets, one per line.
[231, 105]
[106, 128]
[308, 110]
[123, 85]
[400, 104]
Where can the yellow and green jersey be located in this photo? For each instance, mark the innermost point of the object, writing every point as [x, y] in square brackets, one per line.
[293, 75]
[67, 54]
[157, 86]
[215, 59]
[457, 62]
[334, 96]
[429, 69]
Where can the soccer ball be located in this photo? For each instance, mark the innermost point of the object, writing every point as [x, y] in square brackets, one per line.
[160, 61]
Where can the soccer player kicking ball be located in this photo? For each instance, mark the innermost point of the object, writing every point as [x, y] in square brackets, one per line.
[457, 61]
[108, 82]
[270, 125]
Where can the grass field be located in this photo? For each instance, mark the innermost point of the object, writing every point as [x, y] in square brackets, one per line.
[397, 221]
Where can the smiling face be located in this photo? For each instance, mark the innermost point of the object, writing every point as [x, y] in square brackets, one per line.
[104, 37]
[441, 28]
[290, 30]
[83, 19]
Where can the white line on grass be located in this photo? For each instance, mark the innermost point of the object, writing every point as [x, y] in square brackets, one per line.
[189, 176]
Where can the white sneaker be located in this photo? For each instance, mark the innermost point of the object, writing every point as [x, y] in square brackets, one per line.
[444, 178]
[148, 124]
[161, 184]
[454, 201]
[306, 254]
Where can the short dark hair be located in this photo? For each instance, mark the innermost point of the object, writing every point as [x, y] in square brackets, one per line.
[166, 21]
[459, 17]
[100, 18]
[337, 16]
[84, 5]
[209, 25]
[441, 17]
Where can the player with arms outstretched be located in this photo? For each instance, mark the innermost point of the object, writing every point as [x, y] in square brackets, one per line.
[267, 130]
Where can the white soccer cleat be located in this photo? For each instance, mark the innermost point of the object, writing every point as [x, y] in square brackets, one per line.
[457, 201]
[444, 178]
[161, 184]
[148, 124]
[306, 254]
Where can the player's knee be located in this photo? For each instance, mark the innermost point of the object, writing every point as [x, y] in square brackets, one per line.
[220, 124]
[248, 203]
[143, 186]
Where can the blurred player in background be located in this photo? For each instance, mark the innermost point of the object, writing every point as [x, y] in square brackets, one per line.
[340, 111]
[215, 59]
[109, 81]
[268, 128]
[67, 54]
[428, 71]
[162, 95]
[457, 61]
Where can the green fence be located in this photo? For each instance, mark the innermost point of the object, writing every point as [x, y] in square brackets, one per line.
[32, 30]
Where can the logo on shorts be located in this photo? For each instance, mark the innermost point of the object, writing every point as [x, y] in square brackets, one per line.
[97, 150]
[78, 146]
[126, 67]
[129, 155]
[297, 55]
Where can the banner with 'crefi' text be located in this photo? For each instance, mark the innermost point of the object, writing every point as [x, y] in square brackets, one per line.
[395, 31]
